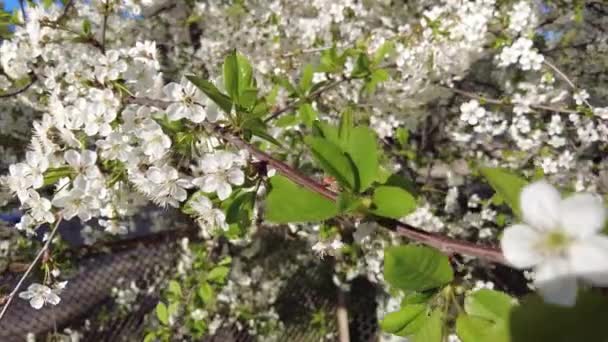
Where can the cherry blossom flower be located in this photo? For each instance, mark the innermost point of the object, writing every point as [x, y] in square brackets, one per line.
[561, 239]
[188, 101]
[207, 216]
[220, 171]
[38, 295]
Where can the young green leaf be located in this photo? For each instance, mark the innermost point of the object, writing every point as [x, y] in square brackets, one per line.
[306, 80]
[175, 289]
[375, 78]
[218, 274]
[487, 317]
[506, 184]
[362, 147]
[432, 329]
[289, 202]
[393, 202]
[361, 68]
[162, 313]
[395, 322]
[416, 268]
[334, 161]
[238, 79]
[346, 125]
[384, 50]
[307, 114]
[206, 293]
[212, 92]
[491, 305]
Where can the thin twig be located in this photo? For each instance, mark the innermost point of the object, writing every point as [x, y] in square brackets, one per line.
[41, 252]
[106, 14]
[506, 103]
[275, 114]
[566, 78]
[19, 91]
[559, 72]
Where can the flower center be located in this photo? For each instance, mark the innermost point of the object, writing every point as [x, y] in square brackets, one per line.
[556, 242]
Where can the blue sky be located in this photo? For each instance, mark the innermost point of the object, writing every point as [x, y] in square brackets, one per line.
[10, 4]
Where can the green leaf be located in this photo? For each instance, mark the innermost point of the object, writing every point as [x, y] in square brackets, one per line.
[535, 320]
[393, 202]
[416, 268]
[506, 184]
[334, 161]
[376, 77]
[151, 336]
[346, 125]
[218, 274]
[257, 127]
[431, 330]
[175, 289]
[384, 50]
[491, 305]
[331, 61]
[475, 329]
[306, 80]
[347, 202]
[396, 322]
[488, 317]
[363, 149]
[361, 67]
[162, 313]
[358, 143]
[307, 114]
[206, 293]
[86, 27]
[212, 92]
[289, 202]
[240, 208]
[231, 75]
[238, 79]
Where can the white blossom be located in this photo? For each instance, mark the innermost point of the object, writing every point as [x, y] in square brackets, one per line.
[561, 239]
[39, 294]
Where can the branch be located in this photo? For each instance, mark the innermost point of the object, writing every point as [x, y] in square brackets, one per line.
[443, 243]
[41, 252]
[19, 91]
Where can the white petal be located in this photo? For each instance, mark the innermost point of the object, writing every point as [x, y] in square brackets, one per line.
[180, 194]
[37, 302]
[224, 160]
[519, 246]
[173, 91]
[540, 203]
[556, 283]
[582, 215]
[88, 158]
[53, 298]
[223, 190]
[175, 111]
[26, 294]
[72, 157]
[589, 259]
[210, 183]
[236, 176]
